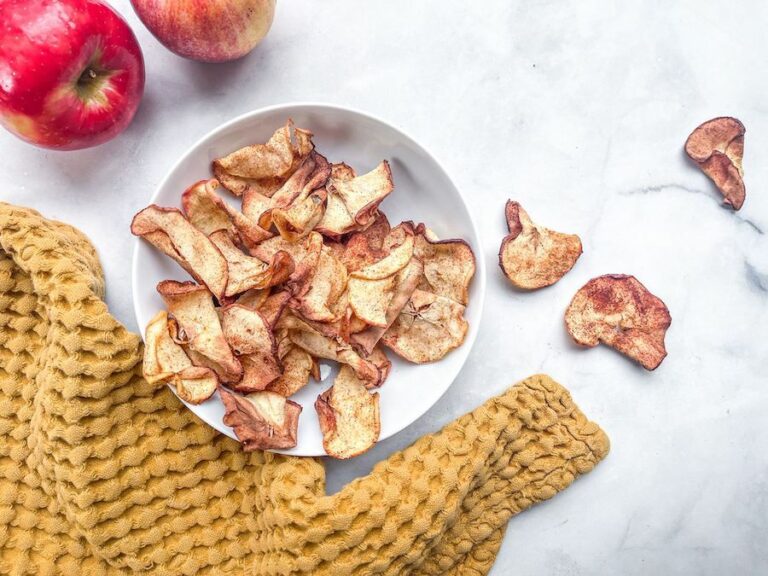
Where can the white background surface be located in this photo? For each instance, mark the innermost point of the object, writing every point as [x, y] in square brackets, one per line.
[578, 110]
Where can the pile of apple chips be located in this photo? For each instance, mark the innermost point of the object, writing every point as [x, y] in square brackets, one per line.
[308, 269]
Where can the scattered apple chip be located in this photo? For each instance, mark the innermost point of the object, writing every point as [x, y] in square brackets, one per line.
[198, 326]
[298, 365]
[449, 265]
[262, 420]
[174, 235]
[367, 246]
[366, 337]
[206, 210]
[717, 146]
[353, 203]
[195, 384]
[162, 356]
[263, 168]
[427, 329]
[246, 272]
[349, 416]
[532, 256]
[620, 312]
[249, 334]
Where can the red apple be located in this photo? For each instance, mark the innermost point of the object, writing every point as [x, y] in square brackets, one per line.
[207, 30]
[71, 72]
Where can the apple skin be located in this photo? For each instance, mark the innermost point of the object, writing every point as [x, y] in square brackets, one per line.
[207, 30]
[71, 72]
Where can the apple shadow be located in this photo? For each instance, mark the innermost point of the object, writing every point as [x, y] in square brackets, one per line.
[215, 79]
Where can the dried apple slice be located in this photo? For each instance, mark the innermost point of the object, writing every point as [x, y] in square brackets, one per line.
[305, 254]
[353, 202]
[365, 337]
[379, 358]
[427, 329]
[297, 220]
[398, 248]
[272, 308]
[366, 247]
[620, 312]
[532, 256]
[253, 298]
[246, 272]
[717, 146]
[262, 420]
[174, 235]
[349, 416]
[297, 367]
[198, 326]
[320, 346]
[263, 168]
[321, 291]
[195, 384]
[310, 176]
[249, 334]
[449, 265]
[369, 299]
[162, 356]
[209, 213]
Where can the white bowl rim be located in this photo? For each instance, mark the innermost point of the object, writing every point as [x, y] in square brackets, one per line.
[478, 296]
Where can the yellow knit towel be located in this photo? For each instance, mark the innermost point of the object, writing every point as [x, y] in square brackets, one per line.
[101, 473]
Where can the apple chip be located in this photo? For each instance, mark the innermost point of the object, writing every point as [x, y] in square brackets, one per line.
[532, 256]
[249, 334]
[619, 311]
[209, 213]
[198, 327]
[321, 346]
[365, 337]
[169, 231]
[311, 176]
[162, 356]
[369, 299]
[263, 168]
[379, 358]
[717, 146]
[195, 384]
[449, 265]
[253, 298]
[427, 329]
[349, 416]
[272, 308]
[398, 247]
[305, 254]
[298, 365]
[262, 420]
[366, 247]
[319, 297]
[298, 219]
[246, 272]
[353, 203]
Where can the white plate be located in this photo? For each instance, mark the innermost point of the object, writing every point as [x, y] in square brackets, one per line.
[423, 193]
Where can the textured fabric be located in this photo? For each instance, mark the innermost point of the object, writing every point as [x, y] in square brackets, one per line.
[102, 473]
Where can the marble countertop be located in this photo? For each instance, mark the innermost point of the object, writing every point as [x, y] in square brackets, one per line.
[579, 111]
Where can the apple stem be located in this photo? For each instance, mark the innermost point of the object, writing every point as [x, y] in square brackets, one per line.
[89, 83]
